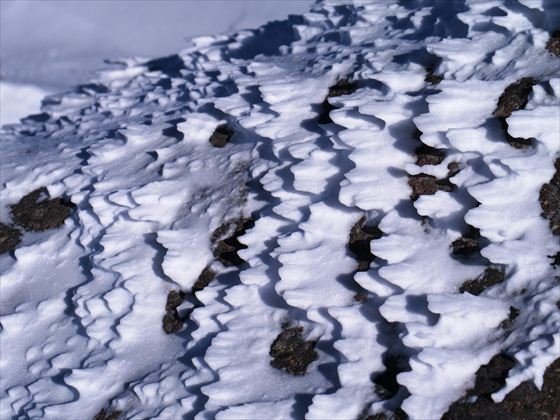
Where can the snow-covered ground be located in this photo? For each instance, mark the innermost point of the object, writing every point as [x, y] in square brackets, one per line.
[330, 217]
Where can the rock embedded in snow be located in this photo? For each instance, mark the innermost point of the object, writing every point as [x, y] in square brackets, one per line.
[36, 211]
[9, 238]
[390, 221]
[290, 352]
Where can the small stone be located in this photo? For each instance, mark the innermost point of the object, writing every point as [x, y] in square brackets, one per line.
[221, 136]
[205, 277]
[515, 97]
[426, 155]
[108, 415]
[513, 314]
[490, 277]
[553, 44]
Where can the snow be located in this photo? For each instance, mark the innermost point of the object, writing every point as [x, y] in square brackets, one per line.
[82, 304]
[18, 101]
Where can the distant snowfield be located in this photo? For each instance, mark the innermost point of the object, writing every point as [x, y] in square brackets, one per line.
[58, 44]
[55, 45]
[17, 101]
[347, 214]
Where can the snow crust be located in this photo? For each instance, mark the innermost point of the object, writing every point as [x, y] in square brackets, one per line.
[82, 305]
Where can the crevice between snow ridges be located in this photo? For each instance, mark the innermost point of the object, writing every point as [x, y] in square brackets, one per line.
[256, 281]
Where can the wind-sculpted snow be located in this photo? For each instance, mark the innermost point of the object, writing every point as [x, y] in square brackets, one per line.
[287, 222]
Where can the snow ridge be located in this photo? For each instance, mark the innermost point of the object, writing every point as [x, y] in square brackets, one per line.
[354, 118]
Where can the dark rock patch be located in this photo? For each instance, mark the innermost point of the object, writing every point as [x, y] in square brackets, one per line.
[359, 243]
[225, 249]
[172, 322]
[360, 297]
[427, 155]
[9, 238]
[386, 385]
[490, 277]
[524, 402]
[107, 415]
[36, 212]
[204, 279]
[467, 244]
[508, 322]
[423, 184]
[221, 136]
[291, 353]
[553, 44]
[549, 198]
[453, 168]
[515, 97]
[342, 87]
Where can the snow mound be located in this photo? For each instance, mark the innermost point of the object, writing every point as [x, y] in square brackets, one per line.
[330, 217]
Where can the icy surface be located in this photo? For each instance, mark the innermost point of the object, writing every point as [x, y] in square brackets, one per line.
[156, 205]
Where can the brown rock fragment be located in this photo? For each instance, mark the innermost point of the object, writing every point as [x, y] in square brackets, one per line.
[291, 353]
[9, 238]
[36, 212]
[515, 97]
[221, 136]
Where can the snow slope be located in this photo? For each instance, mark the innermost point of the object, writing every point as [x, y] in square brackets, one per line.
[302, 184]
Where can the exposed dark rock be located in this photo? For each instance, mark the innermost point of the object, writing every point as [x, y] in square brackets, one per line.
[205, 277]
[342, 87]
[225, 250]
[426, 155]
[107, 415]
[291, 353]
[172, 322]
[549, 198]
[9, 238]
[513, 314]
[490, 277]
[453, 169]
[360, 297]
[359, 243]
[221, 135]
[524, 402]
[467, 244]
[515, 97]
[553, 44]
[36, 212]
[423, 184]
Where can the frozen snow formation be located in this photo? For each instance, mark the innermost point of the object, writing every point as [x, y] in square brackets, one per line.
[337, 216]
